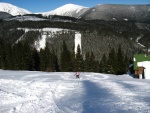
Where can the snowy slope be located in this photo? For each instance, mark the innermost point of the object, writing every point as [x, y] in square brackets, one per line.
[67, 10]
[50, 32]
[13, 10]
[77, 41]
[41, 92]
[45, 33]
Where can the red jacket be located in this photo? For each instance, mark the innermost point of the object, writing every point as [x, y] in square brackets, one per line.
[77, 73]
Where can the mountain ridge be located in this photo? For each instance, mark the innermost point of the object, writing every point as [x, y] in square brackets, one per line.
[108, 12]
[115, 12]
[72, 10]
[12, 9]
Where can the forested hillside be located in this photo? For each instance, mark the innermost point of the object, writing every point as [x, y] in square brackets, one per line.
[103, 43]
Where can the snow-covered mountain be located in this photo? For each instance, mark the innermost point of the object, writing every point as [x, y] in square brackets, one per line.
[116, 12]
[108, 12]
[68, 10]
[13, 10]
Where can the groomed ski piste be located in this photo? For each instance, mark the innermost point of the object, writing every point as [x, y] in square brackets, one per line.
[61, 92]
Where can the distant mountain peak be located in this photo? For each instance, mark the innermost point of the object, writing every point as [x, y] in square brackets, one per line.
[69, 5]
[67, 10]
[13, 10]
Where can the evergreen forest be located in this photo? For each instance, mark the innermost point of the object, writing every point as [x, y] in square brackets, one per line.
[22, 56]
[107, 47]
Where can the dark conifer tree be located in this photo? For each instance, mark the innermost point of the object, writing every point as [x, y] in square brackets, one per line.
[112, 62]
[90, 65]
[7, 53]
[65, 60]
[92, 62]
[2, 55]
[103, 64]
[46, 59]
[56, 64]
[18, 56]
[79, 60]
[36, 60]
[96, 66]
[73, 59]
[27, 57]
[126, 63]
[87, 62]
[42, 60]
[120, 62]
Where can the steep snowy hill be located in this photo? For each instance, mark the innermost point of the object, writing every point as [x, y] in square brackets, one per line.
[67, 10]
[41, 92]
[13, 10]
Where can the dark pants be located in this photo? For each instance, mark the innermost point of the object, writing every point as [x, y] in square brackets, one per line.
[77, 76]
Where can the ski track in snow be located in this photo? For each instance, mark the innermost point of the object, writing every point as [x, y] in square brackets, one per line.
[41, 92]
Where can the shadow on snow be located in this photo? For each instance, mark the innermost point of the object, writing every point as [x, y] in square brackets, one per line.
[100, 100]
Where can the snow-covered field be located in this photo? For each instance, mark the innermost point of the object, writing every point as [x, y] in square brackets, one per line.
[42, 92]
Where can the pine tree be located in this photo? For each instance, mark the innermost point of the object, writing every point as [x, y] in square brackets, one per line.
[112, 62]
[87, 62]
[46, 59]
[8, 61]
[92, 62]
[3, 56]
[90, 65]
[18, 57]
[96, 66]
[36, 60]
[56, 68]
[42, 60]
[120, 62]
[65, 60]
[73, 59]
[27, 57]
[79, 60]
[1, 53]
[126, 63]
[103, 64]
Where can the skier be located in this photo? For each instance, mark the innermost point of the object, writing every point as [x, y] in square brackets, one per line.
[77, 74]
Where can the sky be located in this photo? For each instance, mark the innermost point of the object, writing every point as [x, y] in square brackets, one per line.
[48, 5]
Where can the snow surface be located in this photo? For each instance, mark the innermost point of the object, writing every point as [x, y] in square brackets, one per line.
[77, 41]
[146, 65]
[46, 32]
[49, 32]
[42, 92]
[44, 29]
[125, 19]
[137, 40]
[13, 10]
[115, 19]
[65, 10]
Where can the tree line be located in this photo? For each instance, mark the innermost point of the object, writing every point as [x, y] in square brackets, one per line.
[22, 56]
